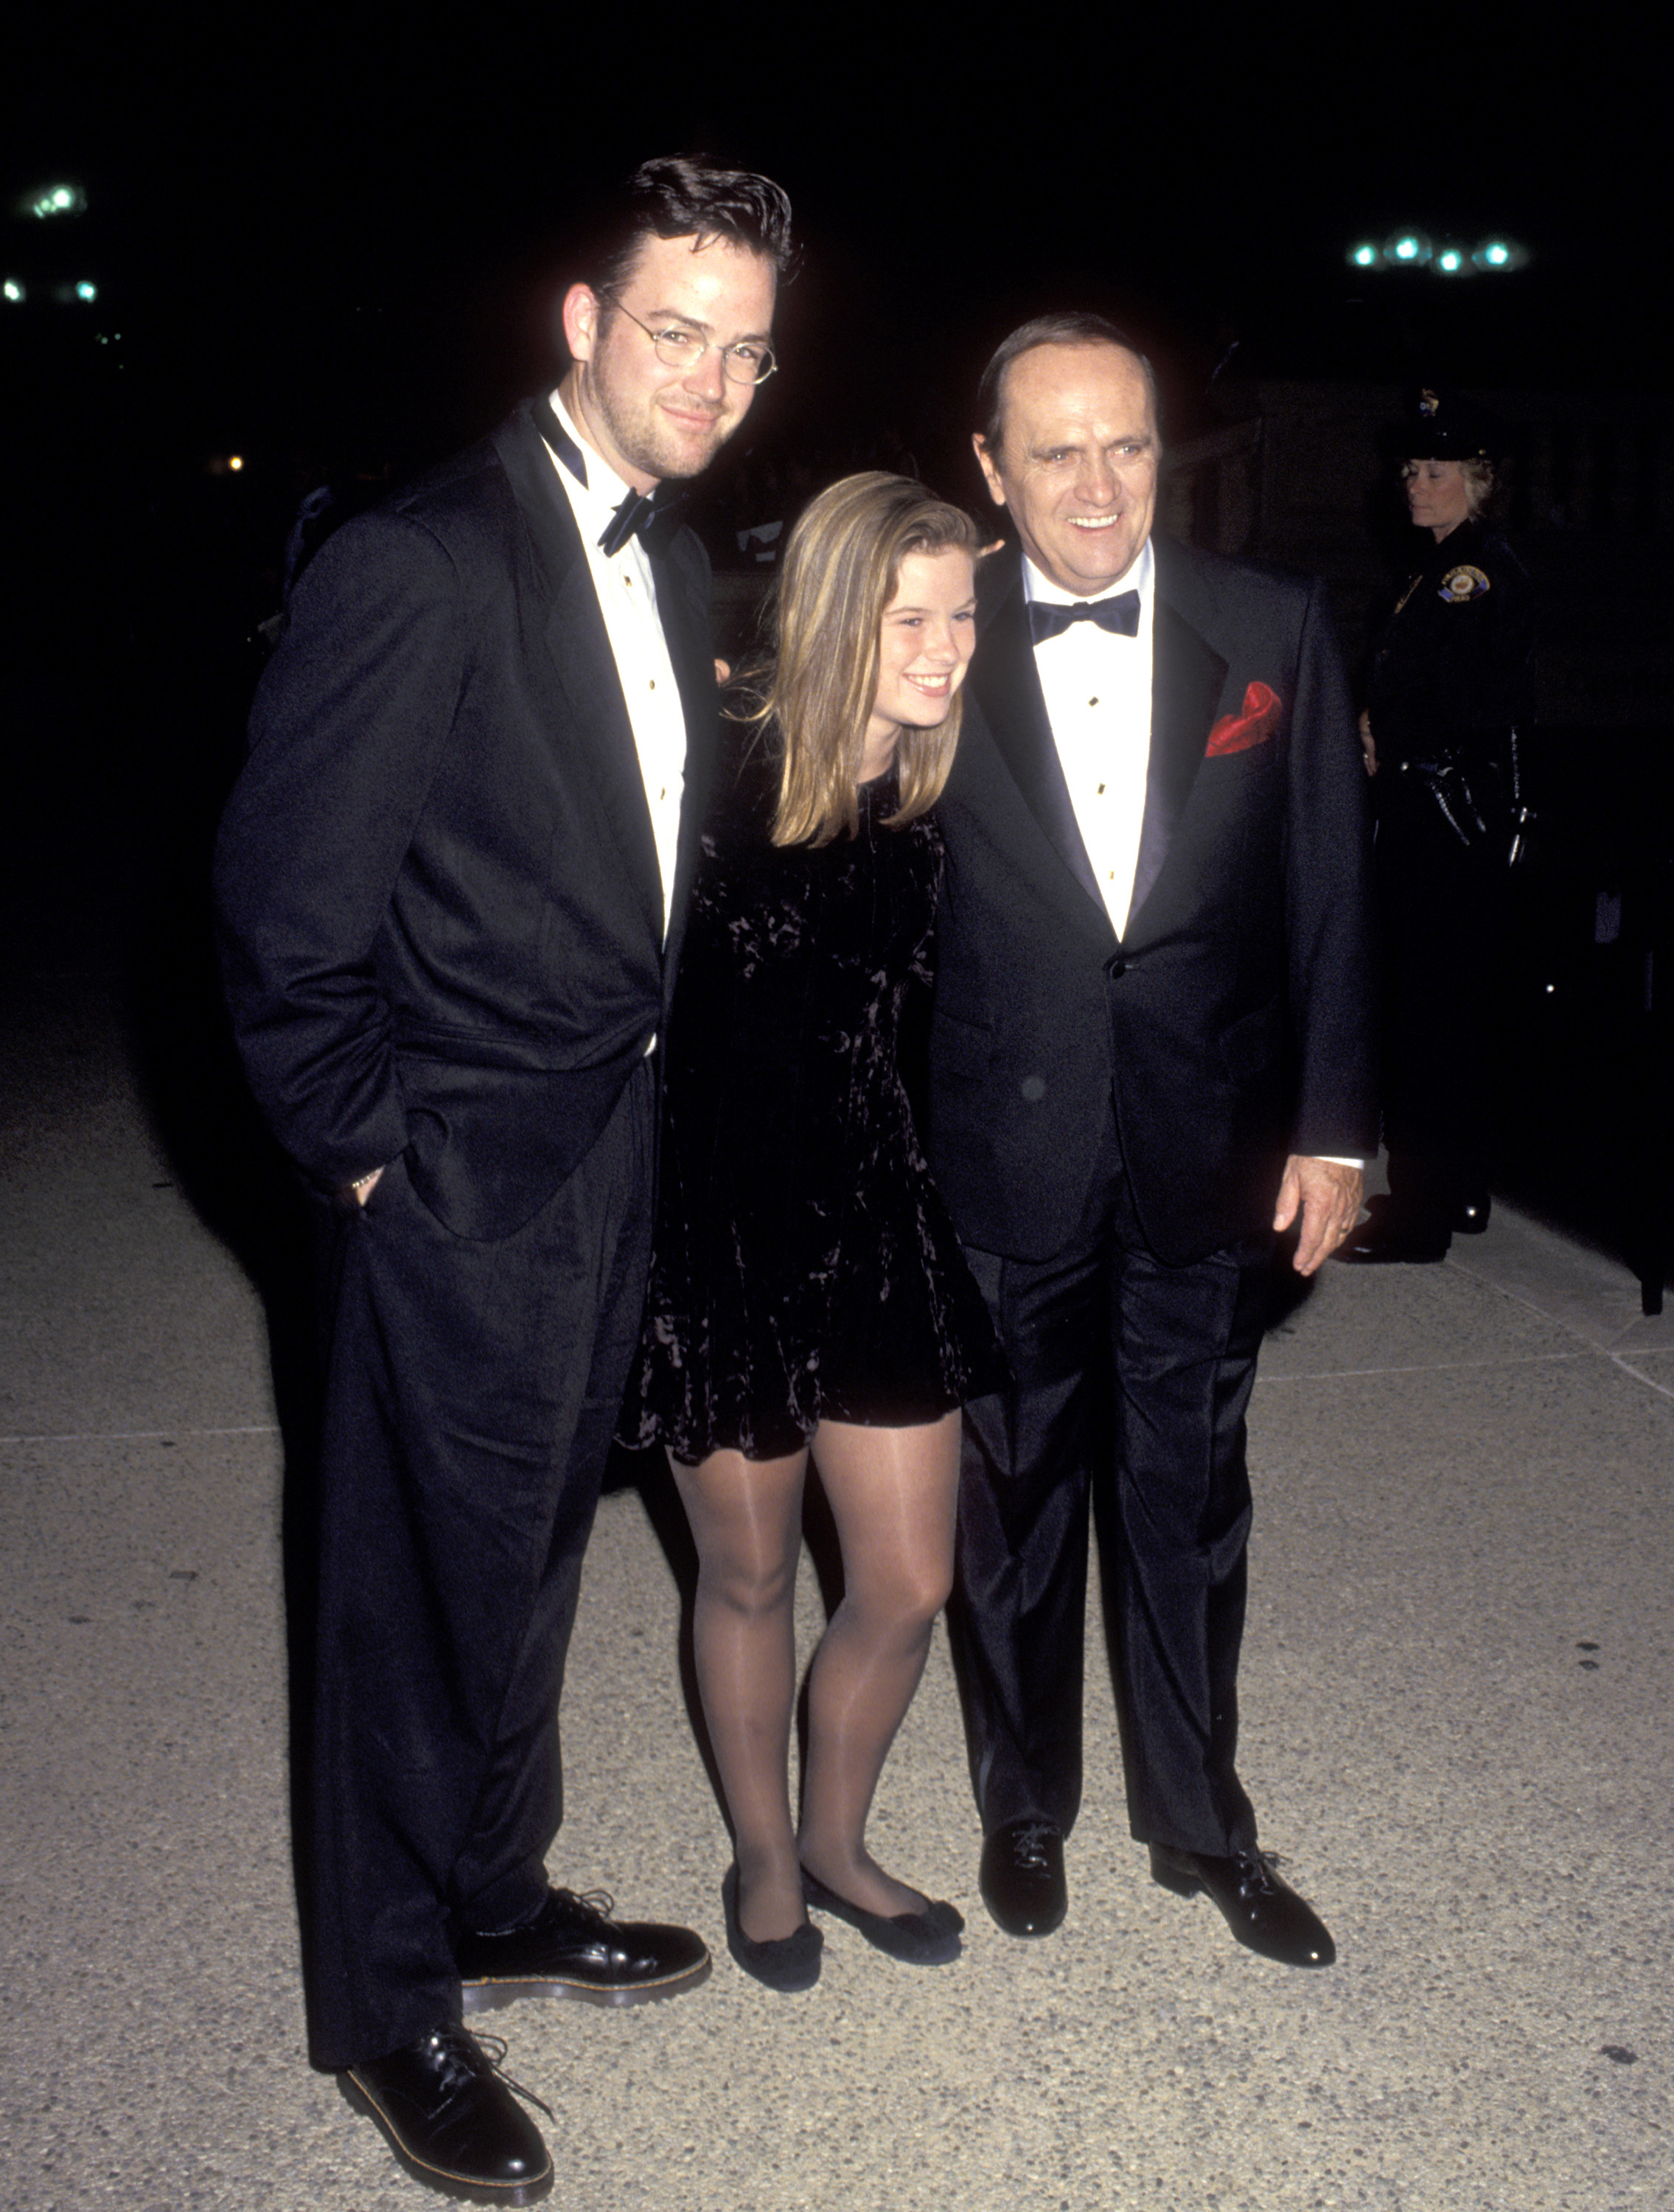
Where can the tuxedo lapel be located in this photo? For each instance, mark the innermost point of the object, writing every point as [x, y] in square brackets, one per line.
[691, 651]
[600, 735]
[1007, 687]
[1186, 677]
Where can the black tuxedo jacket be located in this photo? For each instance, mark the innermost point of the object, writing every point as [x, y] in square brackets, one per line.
[1235, 1020]
[441, 916]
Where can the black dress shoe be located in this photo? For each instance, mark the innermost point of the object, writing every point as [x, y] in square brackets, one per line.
[1377, 1244]
[785, 1963]
[1470, 1213]
[1021, 1877]
[572, 1949]
[930, 1938]
[1264, 1913]
[448, 2114]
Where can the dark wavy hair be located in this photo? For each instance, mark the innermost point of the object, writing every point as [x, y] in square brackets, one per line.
[682, 196]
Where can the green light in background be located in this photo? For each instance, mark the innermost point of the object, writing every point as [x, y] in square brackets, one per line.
[54, 199]
[1407, 249]
[1413, 249]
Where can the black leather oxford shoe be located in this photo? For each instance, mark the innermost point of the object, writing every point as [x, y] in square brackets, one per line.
[1264, 1913]
[1470, 1213]
[1381, 1244]
[572, 1948]
[448, 2114]
[1021, 1877]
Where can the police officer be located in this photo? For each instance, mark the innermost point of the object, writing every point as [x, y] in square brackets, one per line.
[1450, 691]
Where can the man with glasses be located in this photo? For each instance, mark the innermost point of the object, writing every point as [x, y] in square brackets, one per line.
[451, 883]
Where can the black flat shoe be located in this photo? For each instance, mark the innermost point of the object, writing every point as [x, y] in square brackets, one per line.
[1021, 1877]
[785, 1963]
[1264, 1913]
[447, 2113]
[572, 1948]
[930, 1938]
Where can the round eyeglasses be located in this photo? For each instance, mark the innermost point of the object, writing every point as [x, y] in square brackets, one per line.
[749, 361]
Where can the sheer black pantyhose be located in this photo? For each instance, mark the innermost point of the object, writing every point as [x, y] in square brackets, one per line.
[892, 1494]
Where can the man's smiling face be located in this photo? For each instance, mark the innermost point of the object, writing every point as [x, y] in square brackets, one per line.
[1075, 462]
[649, 420]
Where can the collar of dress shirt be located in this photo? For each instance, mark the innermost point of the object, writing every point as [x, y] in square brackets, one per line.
[1141, 577]
[604, 491]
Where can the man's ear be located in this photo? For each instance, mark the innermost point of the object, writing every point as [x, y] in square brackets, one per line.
[580, 317]
[990, 469]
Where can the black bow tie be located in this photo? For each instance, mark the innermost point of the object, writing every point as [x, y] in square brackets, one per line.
[640, 515]
[1119, 615]
[637, 516]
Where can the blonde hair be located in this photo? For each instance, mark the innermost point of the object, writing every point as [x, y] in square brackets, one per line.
[841, 568]
[1478, 470]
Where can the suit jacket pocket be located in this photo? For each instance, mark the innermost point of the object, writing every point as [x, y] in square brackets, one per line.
[490, 1145]
[1250, 1045]
[449, 1045]
[958, 1047]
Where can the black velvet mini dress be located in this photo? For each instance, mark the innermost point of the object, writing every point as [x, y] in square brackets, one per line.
[804, 1266]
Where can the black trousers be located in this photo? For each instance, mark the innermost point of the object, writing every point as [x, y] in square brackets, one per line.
[470, 1398]
[1443, 907]
[1131, 1382]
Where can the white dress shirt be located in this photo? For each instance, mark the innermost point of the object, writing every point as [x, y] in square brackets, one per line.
[627, 600]
[1097, 687]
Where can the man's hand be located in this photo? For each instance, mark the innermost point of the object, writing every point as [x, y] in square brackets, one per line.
[1327, 1195]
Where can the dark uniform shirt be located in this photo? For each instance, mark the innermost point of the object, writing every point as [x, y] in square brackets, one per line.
[1454, 669]
[1452, 680]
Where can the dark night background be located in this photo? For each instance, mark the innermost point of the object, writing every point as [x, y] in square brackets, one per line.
[326, 242]
[320, 236]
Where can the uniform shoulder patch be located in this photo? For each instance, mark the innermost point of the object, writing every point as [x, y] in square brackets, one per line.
[1463, 583]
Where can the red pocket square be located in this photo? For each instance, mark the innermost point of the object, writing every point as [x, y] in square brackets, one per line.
[1236, 733]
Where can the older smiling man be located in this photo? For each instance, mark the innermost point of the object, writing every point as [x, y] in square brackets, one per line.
[1151, 1049]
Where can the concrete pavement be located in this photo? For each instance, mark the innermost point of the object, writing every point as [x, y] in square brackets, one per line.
[1459, 1672]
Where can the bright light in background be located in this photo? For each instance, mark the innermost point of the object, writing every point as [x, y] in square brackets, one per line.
[235, 462]
[1407, 249]
[54, 199]
[14, 290]
[85, 291]
[1411, 249]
